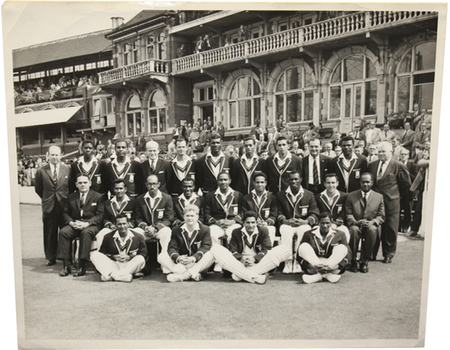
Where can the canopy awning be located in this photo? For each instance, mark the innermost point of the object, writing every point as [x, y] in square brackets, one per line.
[49, 116]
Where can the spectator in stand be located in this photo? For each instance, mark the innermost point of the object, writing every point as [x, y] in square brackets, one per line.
[309, 134]
[413, 115]
[295, 149]
[243, 33]
[373, 154]
[422, 136]
[335, 139]
[396, 148]
[424, 117]
[407, 137]
[386, 134]
[29, 175]
[328, 150]
[338, 150]
[371, 134]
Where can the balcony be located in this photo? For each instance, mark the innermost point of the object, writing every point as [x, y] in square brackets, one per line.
[135, 70]
[323, 32]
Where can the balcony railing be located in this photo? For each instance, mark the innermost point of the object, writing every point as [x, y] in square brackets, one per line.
[359, 22]
[134, 70]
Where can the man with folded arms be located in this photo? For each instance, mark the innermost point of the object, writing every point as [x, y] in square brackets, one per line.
[188, 254]
[188, 197]
[324, 252]
[251, 254]
[122, 253]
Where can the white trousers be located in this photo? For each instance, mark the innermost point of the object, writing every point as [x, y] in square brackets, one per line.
[202, 265]
[162, 235]
[107, 267]
[343, 229]
[217, 232]
[306, 252]
[271, 260]
[272, 231]
[287, 236]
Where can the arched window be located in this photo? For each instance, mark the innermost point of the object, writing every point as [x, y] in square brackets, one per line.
[157, 112]
[134, 119]
[294, 95]
[414, 81]
[244, 102]
[353, 89]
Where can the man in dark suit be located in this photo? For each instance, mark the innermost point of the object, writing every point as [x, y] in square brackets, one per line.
[189, 248]
[314, 167]
[365, 214]
[122, 253]
[83, 217]
[279, 166]
[407, 137]
[188, 197]
[406, 197]
[391, 178]
[155, 166]
[181, 167]
[52, 186]
[245, 166]
[90, 166]
[348, 166]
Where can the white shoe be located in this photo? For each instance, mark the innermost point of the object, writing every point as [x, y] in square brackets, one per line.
[197, 277]
[260, 279]
[288, 267]
[123, 278]
[235, 278]
[217, 268]
[165, 270]
[178, 277]
[106, 278]
[331, 277]
[297, 268]
[138, 275]
[312, 278]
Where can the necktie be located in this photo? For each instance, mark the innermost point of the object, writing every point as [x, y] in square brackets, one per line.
[152, 166]
[365, 200]
[380, 172]
[315, 172]
[55, 175]
[82, 199]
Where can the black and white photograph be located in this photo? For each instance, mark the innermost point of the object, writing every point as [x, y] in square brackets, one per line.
[224, 174]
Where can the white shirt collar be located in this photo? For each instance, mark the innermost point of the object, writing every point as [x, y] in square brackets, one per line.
[317, 233]
[182, 196]
[125, 199]
[209, 155]
[354, 156]
[255, 156]
[326, 195]
[256, 231]
[230, 190]
[158, 195]
[254, 192]
[93, 160]
[115, 162]
[367, 193]
[128, 236]
[288, 156]
[301, 190]
[196, 227]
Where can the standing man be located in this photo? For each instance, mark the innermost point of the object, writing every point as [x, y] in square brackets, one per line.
[83, 217]
[279, 166]
[315, 166]
[155, 166]
[365, 214]
[373, 154]
[188, 197]
[348, 166]
[297, 213]
[407, 137]
[391, 178]
[371, 134]
[406, 196]
[245, 167]
[181, 167]
[52, 186]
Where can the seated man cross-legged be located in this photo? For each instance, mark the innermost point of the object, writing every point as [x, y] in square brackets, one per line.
[250, 256]
[189, 249]
[122, 253]
[323, 252]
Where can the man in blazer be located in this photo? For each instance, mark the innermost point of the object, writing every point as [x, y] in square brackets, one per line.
[245, 166]
[365, 214]
[423, 135]
[263, 203]
[154, 213]
[407, 137]
[155, 166]
[83, 217]
[391, 179]
[122, 253]
[279, 166]
[314, 166]
[181, 167]
[348, 166]
[188, 197]
[52, 186]
[250, 255]
[189, 248]
[297, 213]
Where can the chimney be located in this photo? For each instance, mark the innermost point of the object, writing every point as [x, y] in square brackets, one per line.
[114, 22]
[119, 21]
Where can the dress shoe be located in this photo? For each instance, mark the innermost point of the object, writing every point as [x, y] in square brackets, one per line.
[387, 260]
[364, 267]
[80, 272]
[354, 266]
[65, 271]
[50, 262]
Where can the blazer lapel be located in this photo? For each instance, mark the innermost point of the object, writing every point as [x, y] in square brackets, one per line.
[386, 171]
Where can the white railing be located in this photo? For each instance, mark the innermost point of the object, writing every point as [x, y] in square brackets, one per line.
[329, 29]
[134, 70]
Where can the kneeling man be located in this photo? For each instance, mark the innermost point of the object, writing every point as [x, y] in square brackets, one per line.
[122, 253]
[250, 256]
[324, 252]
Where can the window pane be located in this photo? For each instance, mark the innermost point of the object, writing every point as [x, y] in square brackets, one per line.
[256, 89]
[162, 120]
[309, 105]
[134, 103]
[423, 95]
[279, 106]
[280, 85]
[130, 129]
[30, 136]
[294, 79]
[294, 107]
[256, 110]
[405, 64]
[425, 56]
[371, 72]
[210, 93]
[153, 121]
[371, 98]
[308, 79]
[233, 94]
[245, 113]
[336, 77]
[97, 107]
[403, 94]
[348, 103]
[423, 78]
[353, 68]
[233, 121]
[335, 102]
[245, 87]
[202, 94]
[158, 100]
[357, 101]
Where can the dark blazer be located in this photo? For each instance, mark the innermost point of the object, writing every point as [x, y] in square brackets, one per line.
[110, 213]
[357, 169]
[261, 244]
[161, 171]
[174, 183]
[337, 208]
[137, 245]
[355, 211]
[196, 246]
[278, 178]
[324, 164]
[48, 190]
[160, 216]
[304, 208]
[240, 181]
[179, 205]
[96, 175]
[131, 174]
[213, 210]
[407, 139]
[420, 138]
[268, 211]
[205, 179]
[93, 210]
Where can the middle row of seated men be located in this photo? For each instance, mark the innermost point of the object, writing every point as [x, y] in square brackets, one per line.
[224, 213]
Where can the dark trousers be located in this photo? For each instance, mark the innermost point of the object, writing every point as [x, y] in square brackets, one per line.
[68, 234]
[417, 218]
[405, 206]
[51, 223]
[389, 232]
[369, 238]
